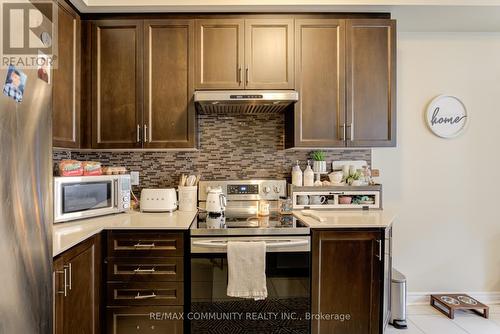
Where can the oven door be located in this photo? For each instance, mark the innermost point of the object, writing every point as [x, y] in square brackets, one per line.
[83, 197]
[288, 286]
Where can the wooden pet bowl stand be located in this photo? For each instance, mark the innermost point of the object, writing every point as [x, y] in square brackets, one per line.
[449, 303]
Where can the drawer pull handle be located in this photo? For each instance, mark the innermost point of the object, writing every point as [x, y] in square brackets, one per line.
[139, 270]
[139, 245]
[139, 296]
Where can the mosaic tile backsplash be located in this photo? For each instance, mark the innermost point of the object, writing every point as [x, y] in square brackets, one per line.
[230, 147]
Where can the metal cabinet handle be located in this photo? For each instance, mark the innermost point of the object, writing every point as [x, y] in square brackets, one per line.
[246, 76]
[145, 133]
[139, 270]
[70, 274]
[64, 291]
[138, 133]
[379, 255]
[343, 127]
[351, 131]
[139, 296]
[239, 76]
[139, 245]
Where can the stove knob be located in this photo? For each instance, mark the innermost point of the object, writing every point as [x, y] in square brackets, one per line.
[266, 190]
[277, 189]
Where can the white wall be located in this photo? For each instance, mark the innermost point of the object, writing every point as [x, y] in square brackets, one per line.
[447, 192]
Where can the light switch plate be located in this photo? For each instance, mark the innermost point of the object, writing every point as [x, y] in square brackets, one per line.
[134, 178]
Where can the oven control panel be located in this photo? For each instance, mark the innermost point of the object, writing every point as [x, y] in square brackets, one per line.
[245, 189]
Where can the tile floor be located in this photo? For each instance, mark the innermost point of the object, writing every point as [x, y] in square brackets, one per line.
[423, 319]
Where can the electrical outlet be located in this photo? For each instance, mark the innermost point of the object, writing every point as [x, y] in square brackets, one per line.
[134, 178]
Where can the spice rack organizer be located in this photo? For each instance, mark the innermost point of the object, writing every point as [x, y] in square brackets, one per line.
[336, 197]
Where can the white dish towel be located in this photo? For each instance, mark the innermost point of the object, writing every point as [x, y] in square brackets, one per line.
[246, 262]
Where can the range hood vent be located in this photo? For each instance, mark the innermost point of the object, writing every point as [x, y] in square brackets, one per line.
[244, 101]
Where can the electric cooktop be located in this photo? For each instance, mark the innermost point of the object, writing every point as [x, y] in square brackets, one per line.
[220, 224]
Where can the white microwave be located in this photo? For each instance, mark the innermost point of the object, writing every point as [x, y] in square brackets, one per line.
[90, 196]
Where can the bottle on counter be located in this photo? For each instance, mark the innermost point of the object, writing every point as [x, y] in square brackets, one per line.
[308, 175]
[297, 175]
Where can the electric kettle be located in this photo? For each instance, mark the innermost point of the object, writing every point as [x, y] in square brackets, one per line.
[216, 200]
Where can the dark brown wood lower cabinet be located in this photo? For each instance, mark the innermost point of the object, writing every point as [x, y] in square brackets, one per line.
[347, 273]
[77, 289]
[146, 319]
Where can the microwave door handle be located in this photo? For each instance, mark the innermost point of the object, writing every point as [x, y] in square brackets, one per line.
[115, 192]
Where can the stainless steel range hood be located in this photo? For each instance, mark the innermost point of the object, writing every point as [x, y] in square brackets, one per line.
[244, 101]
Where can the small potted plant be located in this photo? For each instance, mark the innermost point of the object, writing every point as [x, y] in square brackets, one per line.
[319, 163]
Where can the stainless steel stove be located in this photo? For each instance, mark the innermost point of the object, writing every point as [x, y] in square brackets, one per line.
[287, 257]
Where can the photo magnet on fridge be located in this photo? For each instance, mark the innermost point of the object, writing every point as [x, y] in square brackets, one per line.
[14, 84]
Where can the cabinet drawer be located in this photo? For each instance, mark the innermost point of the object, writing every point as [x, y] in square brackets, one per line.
[130, 244]
[145, 293]
[138, 320]
[146, 269]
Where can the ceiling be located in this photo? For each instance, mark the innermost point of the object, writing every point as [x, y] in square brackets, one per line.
[412, 16]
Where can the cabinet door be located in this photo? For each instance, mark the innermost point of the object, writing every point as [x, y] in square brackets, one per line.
[269, 54]
[59, 279]
[219, 53]
[320, 74]
[117, 84]
[346, 279]
[66, 80]
[77, 288]
[387, 277]
[371, 82]
[169, 115]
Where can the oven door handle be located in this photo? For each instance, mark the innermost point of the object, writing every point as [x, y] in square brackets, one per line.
[269, 243]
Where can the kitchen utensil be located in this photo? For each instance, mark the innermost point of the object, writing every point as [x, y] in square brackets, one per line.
[191, 180]
[359, 183]
[158, 200]
[216, 200]
[313, 214]
[336, 177]
[345, 199]
[303, 200]
[317, 200]
[339, 164]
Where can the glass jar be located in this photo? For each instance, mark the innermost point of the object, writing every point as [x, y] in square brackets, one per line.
[285, 205]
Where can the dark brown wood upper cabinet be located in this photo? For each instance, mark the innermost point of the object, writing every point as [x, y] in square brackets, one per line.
[320, 79]
[169, 114]
[343, 259]
[77, 281]
[66, 80]
[117, 70]
[269, 54]
[219, 53]
[371, 82]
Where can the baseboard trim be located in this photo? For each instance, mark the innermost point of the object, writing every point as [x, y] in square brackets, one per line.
[421, 298]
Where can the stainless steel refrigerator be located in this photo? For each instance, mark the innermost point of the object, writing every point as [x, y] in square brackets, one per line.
[26, 209]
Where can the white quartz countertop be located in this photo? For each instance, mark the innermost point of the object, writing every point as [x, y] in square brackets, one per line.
[67, 235]
[349, 219]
